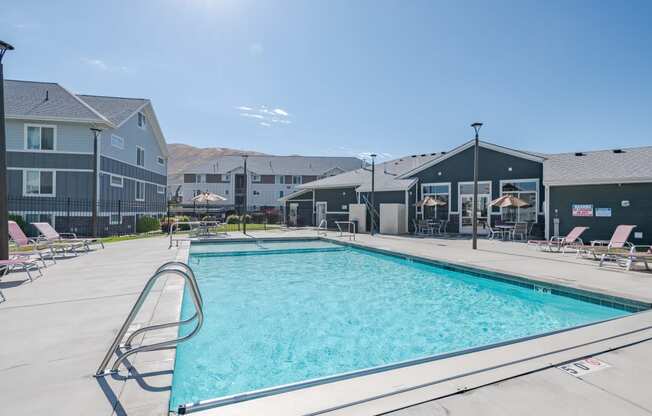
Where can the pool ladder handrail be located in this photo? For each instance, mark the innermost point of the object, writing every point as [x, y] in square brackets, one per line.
[173, 267]
[322, 228]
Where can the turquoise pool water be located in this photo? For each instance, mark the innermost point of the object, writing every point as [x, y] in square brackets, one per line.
[276, 314]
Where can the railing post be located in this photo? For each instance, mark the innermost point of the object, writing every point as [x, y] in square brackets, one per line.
[120, 214]
[68, 214]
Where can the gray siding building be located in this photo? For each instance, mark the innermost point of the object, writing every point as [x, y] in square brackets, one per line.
[52, 162]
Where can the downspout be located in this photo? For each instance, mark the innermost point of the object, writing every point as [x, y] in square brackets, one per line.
[407, 211]
[546, 211]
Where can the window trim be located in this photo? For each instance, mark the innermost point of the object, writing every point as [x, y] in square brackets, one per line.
[40, 126]
[115, 223]
[158, 189]
[449, 185]
[538, 201]
[140, 115]
[136, 182]
[255, 178]
[137, 150]
[122, 181]
[40, 195]
[280, 179]
[122, 147]
[300, 179]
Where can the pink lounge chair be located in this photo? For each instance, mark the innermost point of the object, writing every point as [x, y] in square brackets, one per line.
[561, 243]
[609, 249]
[636, 254]
[30, 247]
[23, 263]
[48, 233]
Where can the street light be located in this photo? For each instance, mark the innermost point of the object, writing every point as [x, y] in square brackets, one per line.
[4, 214]
[373, 192]
[244, 200]
[96, 134]
[476, 126]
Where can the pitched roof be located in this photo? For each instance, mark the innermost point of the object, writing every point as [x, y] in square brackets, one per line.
[280, 165]
[386, 178]
[47, 101]
[116, 109]
[601, 166]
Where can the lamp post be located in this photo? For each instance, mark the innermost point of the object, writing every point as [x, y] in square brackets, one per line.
[4, 214]
[373, 192]
[244, 198]
[476, 126]
[96, 134]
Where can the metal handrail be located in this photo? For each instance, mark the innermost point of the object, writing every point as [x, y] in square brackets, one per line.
[350, 228]
[175, 226]
[195, 295]
[323, 230]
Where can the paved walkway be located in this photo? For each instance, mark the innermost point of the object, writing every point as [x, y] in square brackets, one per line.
[56, 330]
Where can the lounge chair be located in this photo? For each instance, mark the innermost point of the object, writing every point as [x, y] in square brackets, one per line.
[637, 254]
[30, 248]
[48, 233]
[23, 263]
[559, 243]
[608, 249]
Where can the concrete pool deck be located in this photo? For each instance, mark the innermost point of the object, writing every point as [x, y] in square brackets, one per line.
[56, 330]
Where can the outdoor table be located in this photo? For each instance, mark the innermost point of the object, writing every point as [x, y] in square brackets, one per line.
[506, 228]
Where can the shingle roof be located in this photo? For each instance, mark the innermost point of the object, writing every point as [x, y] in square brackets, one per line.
[280, 165]
[385, 179]
[46, 100]
[116, 109]
[629, 165]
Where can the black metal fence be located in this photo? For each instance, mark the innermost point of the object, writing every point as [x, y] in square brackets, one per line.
[76, 215]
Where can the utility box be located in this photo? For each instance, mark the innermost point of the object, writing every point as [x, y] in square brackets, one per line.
[392, 219]
[358, 212]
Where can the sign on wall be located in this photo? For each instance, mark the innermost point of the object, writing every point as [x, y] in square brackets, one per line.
[582, 210]
[603, 212]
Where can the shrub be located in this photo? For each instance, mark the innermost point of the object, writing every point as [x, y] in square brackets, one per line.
[258, 218]
[20, 221]
[165, 225]
[146, 224]
[246, 218]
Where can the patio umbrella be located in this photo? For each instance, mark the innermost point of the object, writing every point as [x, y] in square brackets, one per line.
[431, 201]
[206, 197]
[506, 201]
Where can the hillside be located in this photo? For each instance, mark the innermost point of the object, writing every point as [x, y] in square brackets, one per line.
[183, 157]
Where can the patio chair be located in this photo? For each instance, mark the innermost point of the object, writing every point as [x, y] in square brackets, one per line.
[558, 243]
[48, 233]
[22, 263]
[608, 249]
[58, 245]
[636, 254]
[495, 232]
[29, 247]
[520, 229]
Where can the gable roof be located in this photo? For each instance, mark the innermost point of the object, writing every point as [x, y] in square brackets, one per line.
[599, 167]
[47, 101]
[535, 157]
[386, 179]
[116, 109]
[279, 165]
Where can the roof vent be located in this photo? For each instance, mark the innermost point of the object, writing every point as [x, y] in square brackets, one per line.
[433, 154]
[618, 151]
[423, 154]
[413, 156]
[443, 153]
[580, 154]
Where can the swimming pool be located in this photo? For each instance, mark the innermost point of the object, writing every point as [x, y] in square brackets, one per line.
[283, 312]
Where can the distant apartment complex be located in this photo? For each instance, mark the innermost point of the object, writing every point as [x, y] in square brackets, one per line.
[268, 178]
[53, 160]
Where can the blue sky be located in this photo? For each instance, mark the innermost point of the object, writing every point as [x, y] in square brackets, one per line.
[347, 77]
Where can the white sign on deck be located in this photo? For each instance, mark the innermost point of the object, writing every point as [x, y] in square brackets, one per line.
[582, 367]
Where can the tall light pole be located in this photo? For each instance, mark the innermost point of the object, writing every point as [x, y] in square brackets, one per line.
[373, 192]
[476, 154]
[96, 134]
[244, 199]
[4, 212]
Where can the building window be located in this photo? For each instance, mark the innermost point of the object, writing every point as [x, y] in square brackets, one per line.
[160, 189]
[40, 137]
[30, 218]
[160, 161]
[39, 183]
[115, 219]
[140, 156]
[256, 193]
[296, 180]
[142, 121]
[441, 192]
[255, 178]
[226, 192]
[140, 191]
[226, 178]
[117, 142]
[280, 194]
[117, 181]
[526, 190]
[280, 179]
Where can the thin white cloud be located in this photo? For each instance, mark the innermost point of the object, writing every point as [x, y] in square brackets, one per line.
[103, 66]
[266, 117]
